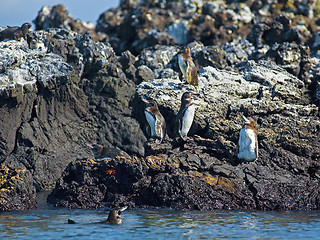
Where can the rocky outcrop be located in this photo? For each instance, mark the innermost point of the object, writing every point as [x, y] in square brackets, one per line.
[59, 17]
[16, 190]
[137, 25]
[204, 172]
[60, 91]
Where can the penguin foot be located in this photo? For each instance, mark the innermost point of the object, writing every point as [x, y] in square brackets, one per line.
[184, 138]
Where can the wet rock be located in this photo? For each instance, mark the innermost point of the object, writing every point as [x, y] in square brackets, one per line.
[17, 191]
[196, 190]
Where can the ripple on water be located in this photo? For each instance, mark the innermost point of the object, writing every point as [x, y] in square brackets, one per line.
[51, 223]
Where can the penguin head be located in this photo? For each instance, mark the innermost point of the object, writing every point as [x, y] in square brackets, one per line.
[249, 122]
[26, 25]
[185, 53]
[96, 149]
[151, 105]
[188, 97]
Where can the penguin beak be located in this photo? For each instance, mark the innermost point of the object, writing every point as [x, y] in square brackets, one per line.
[145, 101]
[246, 120]
[89, 146]
[122, 209]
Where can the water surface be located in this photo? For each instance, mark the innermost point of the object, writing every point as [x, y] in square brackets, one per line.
[51, 223]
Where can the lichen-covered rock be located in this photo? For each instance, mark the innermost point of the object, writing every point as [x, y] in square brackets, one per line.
[16, 189]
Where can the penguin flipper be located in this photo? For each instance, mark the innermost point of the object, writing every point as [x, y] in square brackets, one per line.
[160, 127]
[180, 119]
[257, 149]
[193, 74]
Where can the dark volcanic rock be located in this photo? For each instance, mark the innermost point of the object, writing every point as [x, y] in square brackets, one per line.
[61, 90]
[136, 25]
[16, 189]
[293, 57]
[204, 172]
[151, 181]
[58, 104]
[278, 30]
[58, 17]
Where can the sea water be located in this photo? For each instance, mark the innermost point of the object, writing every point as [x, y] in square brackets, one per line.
[51, 223]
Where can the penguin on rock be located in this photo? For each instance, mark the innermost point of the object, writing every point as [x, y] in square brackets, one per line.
[186, 114]
[247, 147]
[155, 120]
[188, 68]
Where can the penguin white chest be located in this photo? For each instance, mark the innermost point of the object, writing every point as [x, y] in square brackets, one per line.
[247, 145]
[187, 120]
[151, 121]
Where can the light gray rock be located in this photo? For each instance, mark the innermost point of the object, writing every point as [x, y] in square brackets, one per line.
[254, 88]
[179, 31]
[22, 66]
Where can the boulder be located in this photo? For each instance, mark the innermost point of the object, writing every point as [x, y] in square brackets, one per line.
[16, 189]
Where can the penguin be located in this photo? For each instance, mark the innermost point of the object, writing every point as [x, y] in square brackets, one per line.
[155, 120]
[186, 114]
[113, 217]
[188, 68]
[247, 148]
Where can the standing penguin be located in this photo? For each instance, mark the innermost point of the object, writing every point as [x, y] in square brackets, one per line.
[156, 120]
[247, 148]
[186, 114]
[187, 67]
